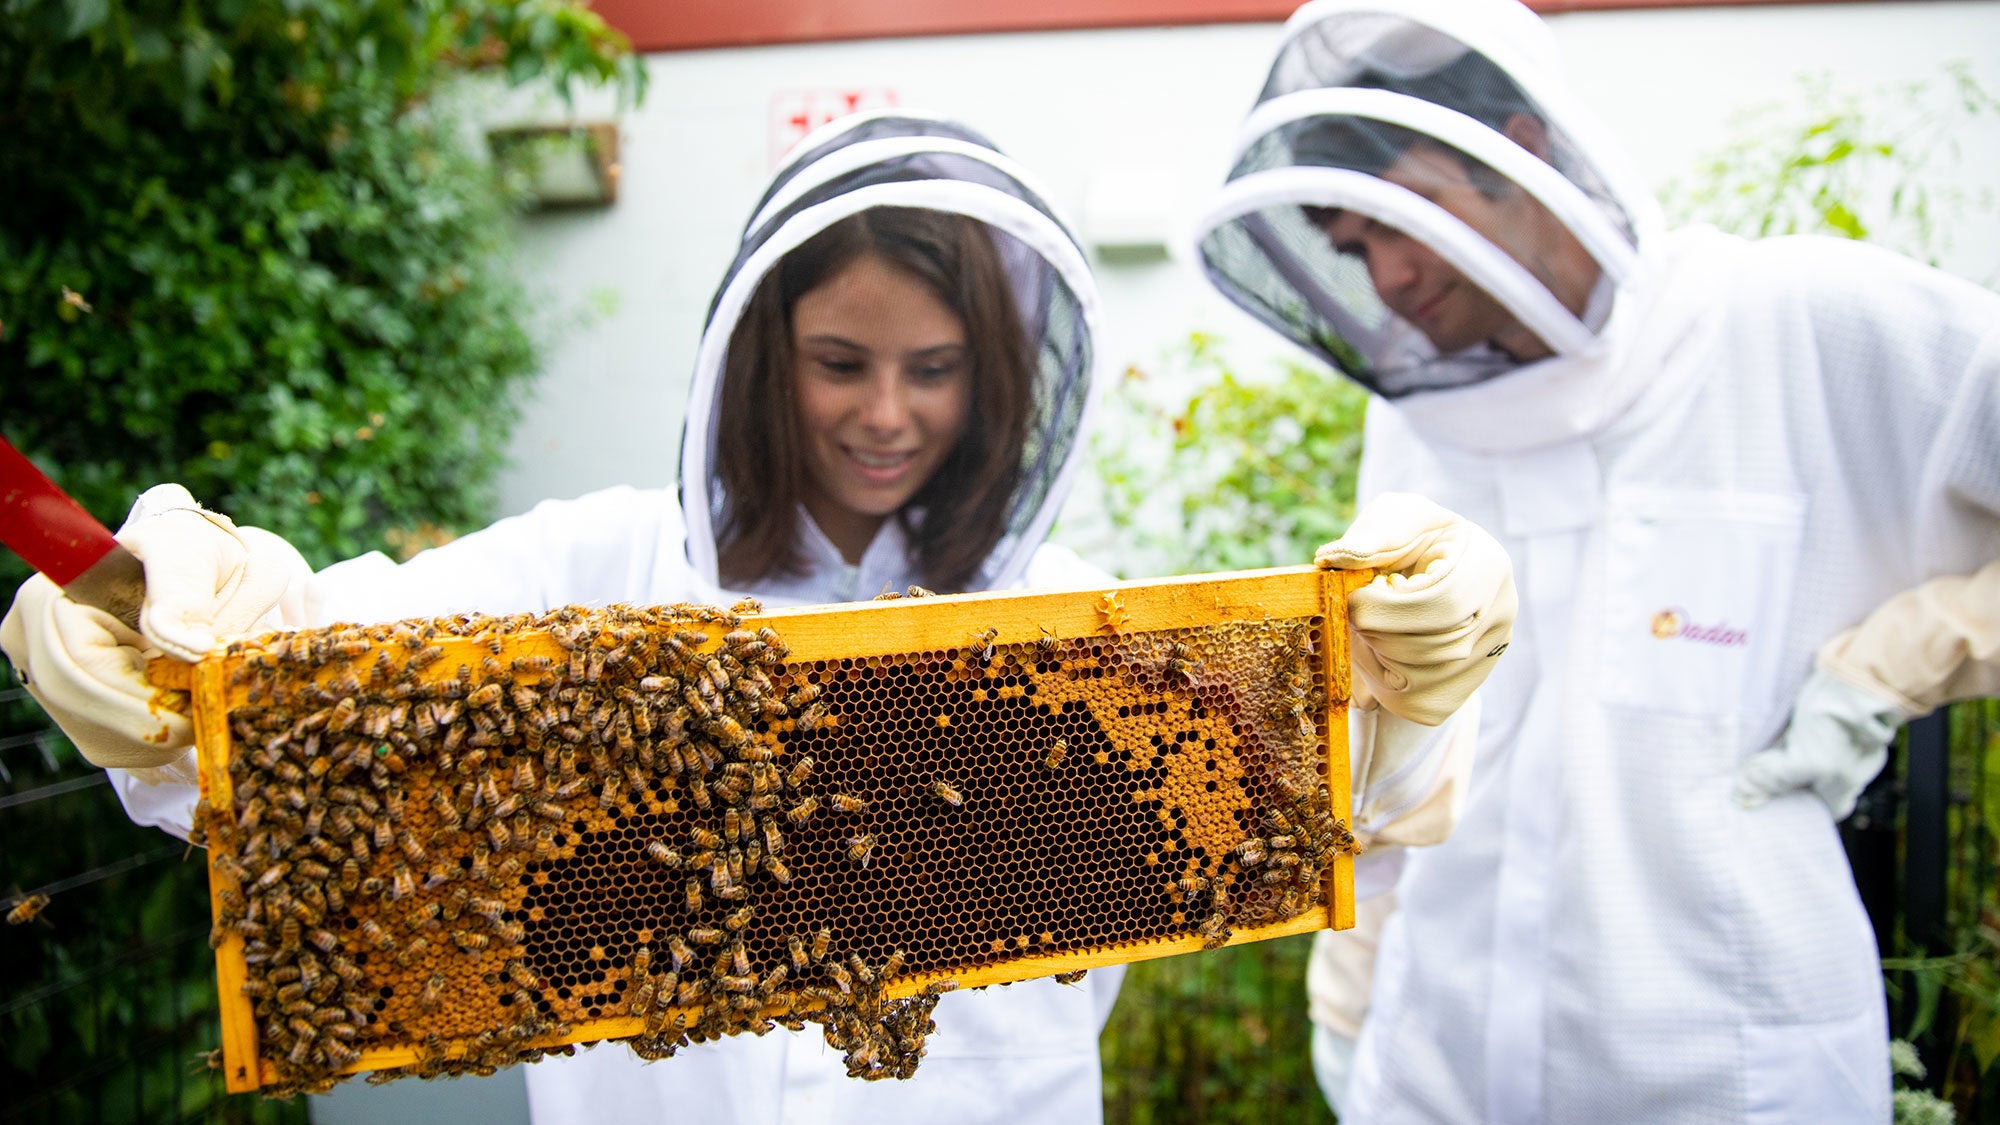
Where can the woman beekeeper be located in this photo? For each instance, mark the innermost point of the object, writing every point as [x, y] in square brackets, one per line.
[1710, 459]
[892, 390]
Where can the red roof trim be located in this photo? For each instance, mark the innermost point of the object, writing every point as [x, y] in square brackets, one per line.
[656, 26]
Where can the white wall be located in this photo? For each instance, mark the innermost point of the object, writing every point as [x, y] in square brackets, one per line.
[1152, 107]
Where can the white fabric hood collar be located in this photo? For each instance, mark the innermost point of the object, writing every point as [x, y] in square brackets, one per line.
[1353, 87]
[1569, 398]
[903, 159]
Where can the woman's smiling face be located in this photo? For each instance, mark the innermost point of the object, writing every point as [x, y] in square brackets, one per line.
[884, 384]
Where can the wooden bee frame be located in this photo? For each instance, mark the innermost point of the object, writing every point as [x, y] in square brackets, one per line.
[1166, 722]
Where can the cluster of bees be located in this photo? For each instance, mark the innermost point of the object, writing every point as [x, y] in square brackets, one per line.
[1278, 809]
[481, 838]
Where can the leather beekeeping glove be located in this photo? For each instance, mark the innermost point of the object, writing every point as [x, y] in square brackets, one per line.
[207, 583]
[1429, 627]
[1927, 646]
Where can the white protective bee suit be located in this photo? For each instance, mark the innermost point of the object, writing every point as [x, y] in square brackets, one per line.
[1737, 450]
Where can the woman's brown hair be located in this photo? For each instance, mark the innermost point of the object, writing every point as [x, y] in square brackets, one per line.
[760, 454]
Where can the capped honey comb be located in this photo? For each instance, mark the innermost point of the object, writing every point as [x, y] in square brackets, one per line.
[443, 846]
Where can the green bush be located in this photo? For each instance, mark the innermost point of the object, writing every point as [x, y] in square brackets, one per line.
[1200, 468]
[246, 247]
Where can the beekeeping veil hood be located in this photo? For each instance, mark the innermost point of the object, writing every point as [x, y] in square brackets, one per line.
[1369, 111]
[907, 160]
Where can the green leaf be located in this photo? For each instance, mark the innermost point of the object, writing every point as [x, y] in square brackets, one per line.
[84, 16]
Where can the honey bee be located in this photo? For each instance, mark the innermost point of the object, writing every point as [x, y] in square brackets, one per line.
[1057, 749]
[26, 909]
[777, 869]
[1251, 852]
[1046, 644]
[848, 803]
[797, 948]
[376, 936]
[982, 645]
[705, 935]
[411, 953]
[920, 592]
[840, 976]
[663, 855]
[774, 840]
[745, 607]
[739, 918]
[947, 794]
[424, 917]
[1214, 931]
[802, 812]
[1070, 978]
[642, 1000]
[861, 970]
[534, 665]
[680, 951]
[270, 877]
[859, 848]
[821, 941]
[694, 899]
[433, 994]
[526, 978]
[471, 942]
[940, 987]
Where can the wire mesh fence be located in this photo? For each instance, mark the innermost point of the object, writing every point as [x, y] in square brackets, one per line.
[107, 996]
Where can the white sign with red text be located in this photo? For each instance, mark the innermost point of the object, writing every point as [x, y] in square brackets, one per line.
[795, 113]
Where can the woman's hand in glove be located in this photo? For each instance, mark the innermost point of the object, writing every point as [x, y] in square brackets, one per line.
[207, 582]
[1430, 626]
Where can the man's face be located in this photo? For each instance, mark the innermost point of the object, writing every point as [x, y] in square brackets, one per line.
[1422, 288]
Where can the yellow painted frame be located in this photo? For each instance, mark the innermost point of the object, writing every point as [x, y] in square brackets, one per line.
[868, 629]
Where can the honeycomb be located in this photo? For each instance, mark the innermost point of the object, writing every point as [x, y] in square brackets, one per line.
[444, 846]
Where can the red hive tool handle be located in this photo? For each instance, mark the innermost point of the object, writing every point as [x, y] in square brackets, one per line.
[39, 522]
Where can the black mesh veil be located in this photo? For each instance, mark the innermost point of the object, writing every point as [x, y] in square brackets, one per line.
[1429, 123]
[905, 160]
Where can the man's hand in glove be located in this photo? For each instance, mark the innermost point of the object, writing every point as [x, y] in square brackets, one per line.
[1430, 626]
[207, 582]
[1837, 741]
